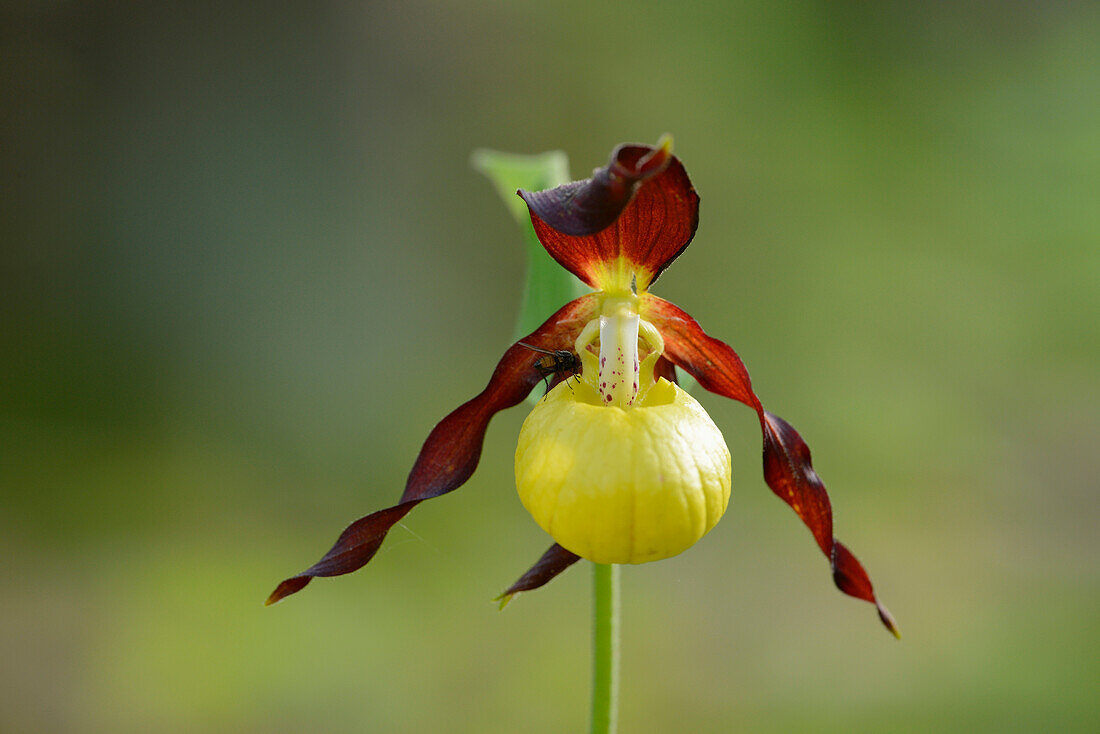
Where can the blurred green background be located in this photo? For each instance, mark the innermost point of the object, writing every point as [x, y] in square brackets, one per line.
[246, 267]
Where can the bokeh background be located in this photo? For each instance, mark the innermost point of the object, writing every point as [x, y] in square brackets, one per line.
[247, 266]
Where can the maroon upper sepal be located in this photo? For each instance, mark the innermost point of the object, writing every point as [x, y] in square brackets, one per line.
[788, 467]
[640, 206]
[452, 450]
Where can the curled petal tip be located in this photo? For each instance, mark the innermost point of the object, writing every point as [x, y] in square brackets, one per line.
[888, 620]
[625, 164]
[656, 160]
[291, 586]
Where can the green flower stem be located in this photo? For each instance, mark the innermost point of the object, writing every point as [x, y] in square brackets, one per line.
[605, 650]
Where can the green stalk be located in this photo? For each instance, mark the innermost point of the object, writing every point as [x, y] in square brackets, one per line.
[605, 650]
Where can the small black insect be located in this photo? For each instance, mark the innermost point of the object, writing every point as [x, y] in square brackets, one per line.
[554, 362]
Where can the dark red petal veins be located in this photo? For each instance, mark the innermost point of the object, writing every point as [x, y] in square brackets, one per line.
[643, 191]
[788, 467]
[555, 560]
[452, 450]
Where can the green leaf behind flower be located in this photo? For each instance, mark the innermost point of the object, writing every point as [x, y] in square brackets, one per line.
[548, 286]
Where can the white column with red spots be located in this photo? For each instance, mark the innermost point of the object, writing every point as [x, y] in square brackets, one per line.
[618, 374]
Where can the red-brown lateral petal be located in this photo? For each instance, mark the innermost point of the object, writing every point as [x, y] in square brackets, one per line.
[555, 560]
[640, 206]
[788, 468]
[452, 450]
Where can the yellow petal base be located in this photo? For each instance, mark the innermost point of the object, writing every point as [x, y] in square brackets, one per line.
[618, 485]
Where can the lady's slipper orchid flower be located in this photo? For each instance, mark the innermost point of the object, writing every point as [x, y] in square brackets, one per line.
[618, 464]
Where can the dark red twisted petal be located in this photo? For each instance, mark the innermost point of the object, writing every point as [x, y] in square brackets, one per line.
[641, 206]
[788, 468]
[789, 471]
[452, 450]
[555, 560]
